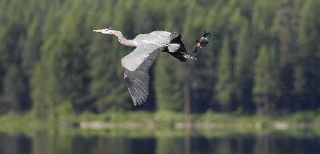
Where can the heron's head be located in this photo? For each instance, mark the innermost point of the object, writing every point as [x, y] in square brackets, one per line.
[108, 30]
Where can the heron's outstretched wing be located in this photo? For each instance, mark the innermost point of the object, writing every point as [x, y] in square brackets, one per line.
[136, 66]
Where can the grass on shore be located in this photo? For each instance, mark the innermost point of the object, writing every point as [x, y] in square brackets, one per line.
[165, 120]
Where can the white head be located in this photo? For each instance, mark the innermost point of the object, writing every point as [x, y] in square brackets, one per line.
[108, 30]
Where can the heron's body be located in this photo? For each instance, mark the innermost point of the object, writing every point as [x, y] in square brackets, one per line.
[136, 64]
[152, 44]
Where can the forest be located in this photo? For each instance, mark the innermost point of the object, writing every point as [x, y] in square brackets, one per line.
[264, 57]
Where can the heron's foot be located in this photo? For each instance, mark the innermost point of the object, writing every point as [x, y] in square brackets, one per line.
[124, 76]
[190, 57]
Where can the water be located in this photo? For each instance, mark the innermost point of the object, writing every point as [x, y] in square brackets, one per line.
[56, 142]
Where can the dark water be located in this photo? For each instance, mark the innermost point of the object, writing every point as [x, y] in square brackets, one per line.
[53, 142]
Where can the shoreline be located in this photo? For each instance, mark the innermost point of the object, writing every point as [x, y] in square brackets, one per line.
[158, 121]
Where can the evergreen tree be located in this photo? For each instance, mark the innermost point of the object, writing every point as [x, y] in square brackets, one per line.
[307, 76]
[262, 21]
[69, 60]
[11, 79]
[194, 80]
[32, 44]
[108, 88]
[169, 79]
[44, 93]
[14, 90]
[224, 88]
[106, 83]
[266, 81]
[48, 52]
[243, 70]
[168, 85]
[286, 28]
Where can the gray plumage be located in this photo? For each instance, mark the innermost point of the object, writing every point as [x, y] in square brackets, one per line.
[136, 64]
[138, 80]
[146, 44]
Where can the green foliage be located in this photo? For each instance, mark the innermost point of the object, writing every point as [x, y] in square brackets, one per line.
[13, 89]
[307, 74]
[263, 53]
[32, 44]
[168, 84]
[105, 68]
[285, 29]
[224, 89]
[266, 79]
[243, 70]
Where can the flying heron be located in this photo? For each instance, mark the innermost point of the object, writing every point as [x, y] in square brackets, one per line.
[137, 63]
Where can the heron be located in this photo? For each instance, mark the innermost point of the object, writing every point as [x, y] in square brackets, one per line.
[136, 64]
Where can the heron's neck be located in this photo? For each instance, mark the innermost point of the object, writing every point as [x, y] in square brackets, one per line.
[123, 40]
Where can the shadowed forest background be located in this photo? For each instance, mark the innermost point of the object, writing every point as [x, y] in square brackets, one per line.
[264, 57]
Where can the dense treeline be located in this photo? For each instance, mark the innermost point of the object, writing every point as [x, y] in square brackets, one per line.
[264, 57]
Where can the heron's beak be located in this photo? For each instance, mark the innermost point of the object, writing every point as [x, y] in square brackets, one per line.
[98, 30]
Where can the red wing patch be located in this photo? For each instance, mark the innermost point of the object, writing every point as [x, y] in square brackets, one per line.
[198, 44]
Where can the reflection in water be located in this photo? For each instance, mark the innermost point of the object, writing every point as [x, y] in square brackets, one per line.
[14, 144]
[53, 142]
[187, 141]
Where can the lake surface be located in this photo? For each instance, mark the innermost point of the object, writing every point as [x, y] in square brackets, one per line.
[57, 142]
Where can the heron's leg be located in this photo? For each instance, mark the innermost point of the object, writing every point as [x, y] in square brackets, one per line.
[122, 65]
[124, 76]
[189, 57]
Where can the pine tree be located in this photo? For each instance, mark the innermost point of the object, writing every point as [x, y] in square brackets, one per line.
[195, 81]
[44, 90]
[107, 89]
[32, 44]
[307, 76]
[169, 73]
[262, 20]
[69, 60]
[48, 52]
[243, 70]
[266, 81]
[244, 55]
[168, 85]
[286, 28]
[11, 78]
[14, 90]
[224, 88]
